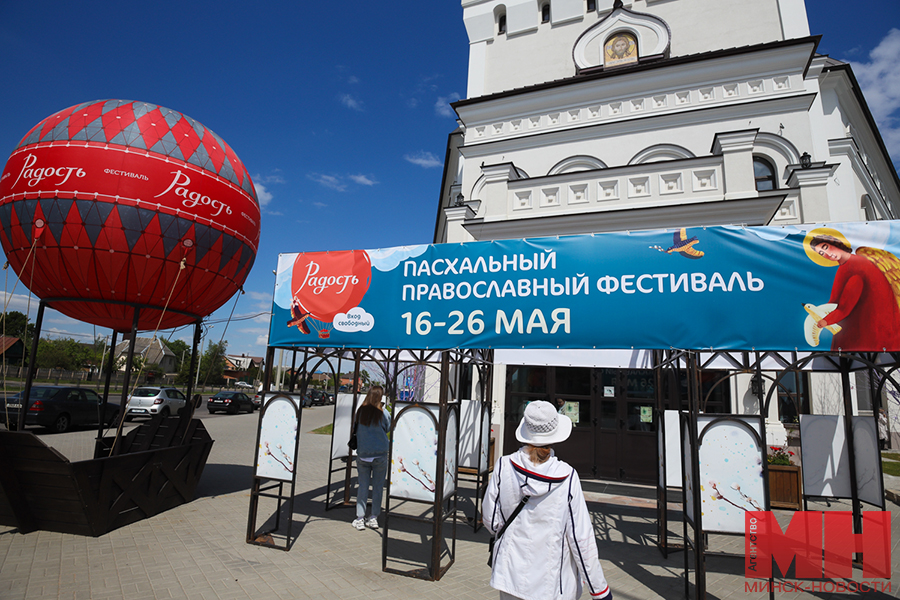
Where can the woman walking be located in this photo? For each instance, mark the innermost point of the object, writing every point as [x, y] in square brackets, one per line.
[372, 426]
[548, 548]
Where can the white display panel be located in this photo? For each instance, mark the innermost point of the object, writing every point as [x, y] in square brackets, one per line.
[826, 459]
[865, 446]
[278, 438]
[485, 440]
[731, 474]
[414, 454]
[673, 443]
[470, 430]
[343, 422]
[450, 456]
[826, 462]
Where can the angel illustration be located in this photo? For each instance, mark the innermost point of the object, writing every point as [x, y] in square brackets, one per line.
[865, 296]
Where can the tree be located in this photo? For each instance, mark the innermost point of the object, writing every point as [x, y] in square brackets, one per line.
[15, 324]
[62, 353]
[212, 364]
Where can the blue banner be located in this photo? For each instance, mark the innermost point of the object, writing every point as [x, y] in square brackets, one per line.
[811, 287]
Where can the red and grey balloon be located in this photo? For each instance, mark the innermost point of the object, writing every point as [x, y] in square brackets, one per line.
[102, 202]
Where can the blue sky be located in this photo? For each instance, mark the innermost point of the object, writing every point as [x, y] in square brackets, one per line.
[340, 111]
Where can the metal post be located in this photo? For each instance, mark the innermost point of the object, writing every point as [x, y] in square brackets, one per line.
[26, 393]
[195, 360]
[106, 383]
[439, 468]
[349, 470]
[851, 450]
[126, 383]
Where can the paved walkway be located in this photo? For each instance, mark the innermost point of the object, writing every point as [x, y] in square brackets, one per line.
[198, 550]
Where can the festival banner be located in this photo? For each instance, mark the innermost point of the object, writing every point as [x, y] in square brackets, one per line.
[809, 287]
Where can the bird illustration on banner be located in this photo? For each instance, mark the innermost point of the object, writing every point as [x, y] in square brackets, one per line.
[683, 245]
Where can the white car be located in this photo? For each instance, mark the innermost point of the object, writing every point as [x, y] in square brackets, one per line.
[243, 384]
[147, 401]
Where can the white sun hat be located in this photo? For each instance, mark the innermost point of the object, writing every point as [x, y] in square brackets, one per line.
[542, 425]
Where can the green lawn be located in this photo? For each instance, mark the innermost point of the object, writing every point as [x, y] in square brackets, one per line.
[326, 430]
[890, 463]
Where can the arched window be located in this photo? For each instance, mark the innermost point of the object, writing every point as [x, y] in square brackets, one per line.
[545, 12]
[501, 24]
[764, 173]
[591, 5]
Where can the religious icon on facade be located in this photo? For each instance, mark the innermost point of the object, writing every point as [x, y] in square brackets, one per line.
[620, 49]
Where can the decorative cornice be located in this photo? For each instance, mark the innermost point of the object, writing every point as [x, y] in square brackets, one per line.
[750, 211]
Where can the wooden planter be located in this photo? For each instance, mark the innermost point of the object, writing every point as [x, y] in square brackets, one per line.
[785, 487]
[155, 467]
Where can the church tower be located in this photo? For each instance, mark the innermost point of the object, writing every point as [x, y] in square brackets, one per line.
[598, 115]
[589, 116]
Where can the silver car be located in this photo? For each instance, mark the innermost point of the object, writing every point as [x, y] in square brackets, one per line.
[147, 401]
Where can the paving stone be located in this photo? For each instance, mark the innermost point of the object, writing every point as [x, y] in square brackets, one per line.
[198, 550]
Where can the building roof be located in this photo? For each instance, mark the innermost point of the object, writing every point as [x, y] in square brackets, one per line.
[7, 342]
[151, 350]
[244, 362]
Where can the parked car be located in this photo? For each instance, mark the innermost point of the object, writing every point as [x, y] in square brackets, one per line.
[59, 407]
[230, 402]
[147, 401]
[320, 398]
[305, 401]
[243, 384]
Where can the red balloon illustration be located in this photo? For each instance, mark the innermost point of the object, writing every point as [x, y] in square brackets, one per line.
[324, 284]
[114, 205]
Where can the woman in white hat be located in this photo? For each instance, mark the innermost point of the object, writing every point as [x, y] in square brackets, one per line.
[549, 548]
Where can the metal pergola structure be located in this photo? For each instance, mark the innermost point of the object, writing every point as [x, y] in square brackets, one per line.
[440, 376]
[673, 365]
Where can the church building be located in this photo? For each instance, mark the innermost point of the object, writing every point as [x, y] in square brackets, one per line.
[590, 116]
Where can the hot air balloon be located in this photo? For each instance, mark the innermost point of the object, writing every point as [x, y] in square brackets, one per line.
[325, 284]
[114, 205]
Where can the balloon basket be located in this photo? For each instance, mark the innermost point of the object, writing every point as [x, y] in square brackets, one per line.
[324, 334]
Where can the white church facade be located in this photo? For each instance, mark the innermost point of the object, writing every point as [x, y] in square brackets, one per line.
[588, 116]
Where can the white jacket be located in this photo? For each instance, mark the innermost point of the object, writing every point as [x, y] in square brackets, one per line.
[549, 548]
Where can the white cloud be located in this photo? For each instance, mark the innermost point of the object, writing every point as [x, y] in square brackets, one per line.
[880, 82]
[442, 105]
[262, 194]
[351, 102]
[363, 180]
[319, 204]
[329, 181]
[423, 159]
[260, 297]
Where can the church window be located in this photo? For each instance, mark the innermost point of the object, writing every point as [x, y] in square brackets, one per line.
[501, 24]
[545, 12]
[764, 173]
[591, 5]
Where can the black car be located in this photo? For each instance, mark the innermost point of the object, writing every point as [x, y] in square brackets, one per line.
[230, 402]
[59, 407]
[320, 398]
